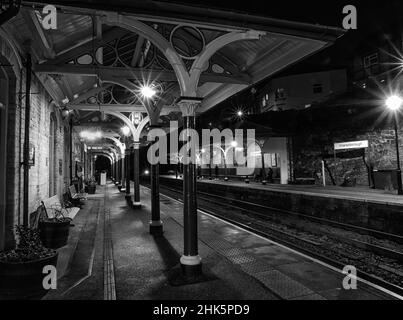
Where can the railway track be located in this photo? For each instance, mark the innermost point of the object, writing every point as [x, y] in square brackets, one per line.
[377, 256]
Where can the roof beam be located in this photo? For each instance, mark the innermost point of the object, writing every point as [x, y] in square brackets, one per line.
[87, 47]
[31, 19]
[135, 73]
[137, 51]
[119, 108]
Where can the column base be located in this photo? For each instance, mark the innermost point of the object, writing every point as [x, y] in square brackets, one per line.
[129, 201]
[136, 205]
[191, 266]
[156, 228]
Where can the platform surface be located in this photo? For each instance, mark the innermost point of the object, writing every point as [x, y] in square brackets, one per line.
[359, 193]
[111, 255]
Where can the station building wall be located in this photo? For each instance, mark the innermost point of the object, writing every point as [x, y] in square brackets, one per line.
[47, 165]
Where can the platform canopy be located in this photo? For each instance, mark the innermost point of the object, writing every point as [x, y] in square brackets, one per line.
[103, 52]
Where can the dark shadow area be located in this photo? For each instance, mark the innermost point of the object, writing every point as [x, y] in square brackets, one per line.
[173, 268]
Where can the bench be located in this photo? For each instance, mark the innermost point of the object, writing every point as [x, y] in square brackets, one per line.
[48, 209]
[53, 204]
[76, 196]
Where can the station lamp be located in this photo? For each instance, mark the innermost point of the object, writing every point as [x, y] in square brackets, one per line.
[394, 102]
[126, 130]
[89, 135]
[148, 92]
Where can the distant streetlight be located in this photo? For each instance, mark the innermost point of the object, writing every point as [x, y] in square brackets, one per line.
[394, 103]
[240, 113]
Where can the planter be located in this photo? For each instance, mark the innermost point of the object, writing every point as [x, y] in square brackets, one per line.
[23, 280]
[54, 234]
[91, 189]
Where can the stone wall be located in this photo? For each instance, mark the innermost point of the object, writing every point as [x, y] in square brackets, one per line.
[309, 148]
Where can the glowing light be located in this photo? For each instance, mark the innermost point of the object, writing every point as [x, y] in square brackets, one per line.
[147, 172]
[234, 144]
[91, 135]
[126, 130]
[394, 102]
[203, 150]
[148, 92]
[240, 113]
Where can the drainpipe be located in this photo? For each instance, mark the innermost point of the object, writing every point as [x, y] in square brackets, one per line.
[26, 138]
[71, 151]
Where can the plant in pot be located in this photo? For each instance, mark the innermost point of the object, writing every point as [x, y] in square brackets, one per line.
[54, 232]
[92, 186]
[21, 269]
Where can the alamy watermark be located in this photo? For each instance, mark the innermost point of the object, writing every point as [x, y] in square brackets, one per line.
[238, 149]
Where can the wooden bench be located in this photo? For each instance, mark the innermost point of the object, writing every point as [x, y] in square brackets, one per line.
[48, 209]
[76, 196]
[53, 204]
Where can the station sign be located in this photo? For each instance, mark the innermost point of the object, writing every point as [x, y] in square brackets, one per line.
[351, 145]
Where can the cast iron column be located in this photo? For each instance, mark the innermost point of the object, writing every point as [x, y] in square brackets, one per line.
[190, 261]
[136, 163]
[28, 69]
[156, 227]
[127, 159]
[118, 167]
[123, 175]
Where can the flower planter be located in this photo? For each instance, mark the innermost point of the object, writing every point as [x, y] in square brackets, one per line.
[54, 234]
[23, 280]
[91, 189]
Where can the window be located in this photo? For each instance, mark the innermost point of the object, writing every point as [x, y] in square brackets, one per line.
[317, 88]
[371, 60]
[280, 94]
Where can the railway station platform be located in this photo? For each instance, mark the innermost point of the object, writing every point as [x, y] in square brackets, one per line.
[347, 193]
[364, 208]
[111, 255]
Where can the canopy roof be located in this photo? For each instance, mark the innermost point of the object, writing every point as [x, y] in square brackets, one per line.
[103, 51]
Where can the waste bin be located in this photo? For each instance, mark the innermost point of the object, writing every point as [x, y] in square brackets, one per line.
[385, 179]
[103, 179]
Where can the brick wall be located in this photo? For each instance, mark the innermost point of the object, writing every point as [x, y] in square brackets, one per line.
[39, 175]
[381, 154]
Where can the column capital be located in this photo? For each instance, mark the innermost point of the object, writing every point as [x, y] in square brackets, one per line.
[188, 105]
[136, 145]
